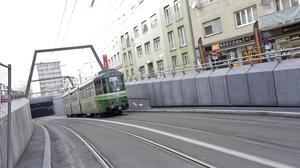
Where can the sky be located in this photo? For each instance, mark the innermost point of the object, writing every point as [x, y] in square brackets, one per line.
[39, 24]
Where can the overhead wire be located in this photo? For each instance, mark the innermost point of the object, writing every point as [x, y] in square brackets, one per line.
[70, 19]
[60, 25]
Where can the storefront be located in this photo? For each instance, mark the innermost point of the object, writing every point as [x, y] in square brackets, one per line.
[239, 48]
[282, 38]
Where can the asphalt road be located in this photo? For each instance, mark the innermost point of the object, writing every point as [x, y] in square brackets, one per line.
[169, 140]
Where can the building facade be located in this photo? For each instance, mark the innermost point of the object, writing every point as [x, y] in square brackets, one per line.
[176, 28]
[140, 43]
[171, 34]
[226, 27]
[50, 70]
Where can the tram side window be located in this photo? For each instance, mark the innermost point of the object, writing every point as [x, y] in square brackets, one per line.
[98, 87]
[105, 85]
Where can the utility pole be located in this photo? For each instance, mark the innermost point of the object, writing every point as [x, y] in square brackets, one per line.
[8, 140]
[191, 30]
[9, 117]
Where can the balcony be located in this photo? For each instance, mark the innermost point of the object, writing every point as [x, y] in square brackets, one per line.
[280, 18]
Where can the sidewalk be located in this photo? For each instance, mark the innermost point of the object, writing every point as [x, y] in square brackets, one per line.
[266, 111]
[34, 153]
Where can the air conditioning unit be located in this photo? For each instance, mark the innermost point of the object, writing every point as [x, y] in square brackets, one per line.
[265, 2]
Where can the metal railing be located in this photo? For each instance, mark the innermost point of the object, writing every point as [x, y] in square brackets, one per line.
[271, 56]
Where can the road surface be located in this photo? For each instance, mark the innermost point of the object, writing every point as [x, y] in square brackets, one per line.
[169, 140]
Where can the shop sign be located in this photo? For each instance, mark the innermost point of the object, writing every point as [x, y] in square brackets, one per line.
[215, 47]
[295, 37]
[236, 41]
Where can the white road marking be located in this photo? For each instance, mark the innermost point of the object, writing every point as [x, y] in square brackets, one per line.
[223, 119]
[207, 145]
[232, 152]
[47, 148]
[161, 146]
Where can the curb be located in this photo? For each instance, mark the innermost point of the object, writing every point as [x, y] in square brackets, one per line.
[218, 111]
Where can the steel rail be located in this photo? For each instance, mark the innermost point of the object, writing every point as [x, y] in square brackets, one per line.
[96, 153]
[163, 147]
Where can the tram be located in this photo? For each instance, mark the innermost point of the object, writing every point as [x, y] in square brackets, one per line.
[101, 95]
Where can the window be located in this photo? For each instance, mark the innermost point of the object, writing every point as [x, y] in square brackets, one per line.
[147, 47]
[118, 56]
[171, 40]
[185, 58]
[136, 31]
[181, 34]
[142, 70]
[156, 43]
[168, 16]
[115, 58]
[245, 16]
[206, 2]
[132, 72]
[212, 27]
[122, 42]
[130, 57]
[127, 40]
[178, 11]
[174, 61]
[144, 27]
[153, 20]
[160, 65]
[139, 51]
[125, 59]
[284, 4]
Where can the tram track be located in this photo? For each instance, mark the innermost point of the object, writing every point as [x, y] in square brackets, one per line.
[180, 154]
[233, 137]
[160, 146]
[95, 152]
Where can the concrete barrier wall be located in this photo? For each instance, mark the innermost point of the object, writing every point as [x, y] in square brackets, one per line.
[22, 128]
[265, 84]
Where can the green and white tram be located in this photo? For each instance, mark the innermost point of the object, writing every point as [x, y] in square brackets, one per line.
[100, 95]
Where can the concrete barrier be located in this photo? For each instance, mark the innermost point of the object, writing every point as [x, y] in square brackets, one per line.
[218, 85]
[261, 84]
[203, 88]
[158, 100]
[177, 93]
[287, 82]
[237, 84]
[190, 97]
[167, 91]
[22, 127]
[265, 84]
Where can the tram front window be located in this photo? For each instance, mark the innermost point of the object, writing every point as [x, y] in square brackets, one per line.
[113, 84]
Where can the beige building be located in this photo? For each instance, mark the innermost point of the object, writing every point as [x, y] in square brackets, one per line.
[226, 27]
[177, 35]
[160, 36]
[139, 44]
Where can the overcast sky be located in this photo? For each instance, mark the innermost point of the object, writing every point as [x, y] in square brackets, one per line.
[36, 24]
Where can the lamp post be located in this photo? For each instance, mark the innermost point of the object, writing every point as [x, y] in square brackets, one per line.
[8, 149]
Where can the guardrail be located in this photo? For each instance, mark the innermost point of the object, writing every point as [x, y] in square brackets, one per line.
[278, 56]
[14, 95]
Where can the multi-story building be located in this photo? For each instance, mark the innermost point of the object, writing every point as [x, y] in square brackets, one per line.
[178, 38]
[226, 27]
[167, 35]
[140, 44]
[49, 70]
[281, 25]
